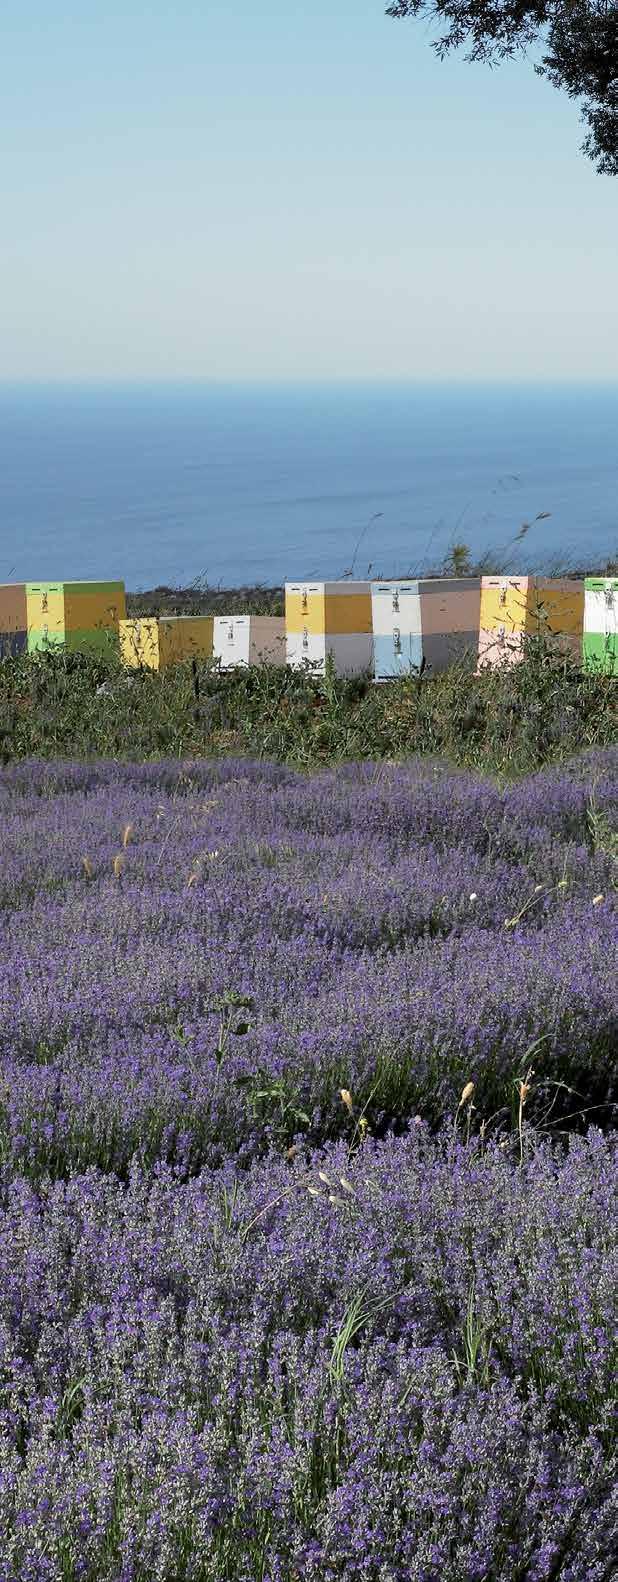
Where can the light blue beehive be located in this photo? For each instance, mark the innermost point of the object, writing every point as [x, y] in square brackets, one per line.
[397, 640]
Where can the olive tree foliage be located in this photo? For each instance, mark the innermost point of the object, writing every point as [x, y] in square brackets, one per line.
[575, 41]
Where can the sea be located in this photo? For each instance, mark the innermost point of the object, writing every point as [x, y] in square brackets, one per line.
[234, 485]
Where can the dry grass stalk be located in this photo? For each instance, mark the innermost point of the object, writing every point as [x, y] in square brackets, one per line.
[524, 1087]
[467, 1096]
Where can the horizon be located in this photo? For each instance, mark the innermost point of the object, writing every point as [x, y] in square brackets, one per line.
[352, 382]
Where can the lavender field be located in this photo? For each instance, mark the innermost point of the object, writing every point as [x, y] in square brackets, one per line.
[308, 1173]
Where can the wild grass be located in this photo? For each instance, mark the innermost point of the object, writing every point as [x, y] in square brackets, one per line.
[506, 721]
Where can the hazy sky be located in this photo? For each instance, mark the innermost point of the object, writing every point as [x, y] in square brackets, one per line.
[289, 189]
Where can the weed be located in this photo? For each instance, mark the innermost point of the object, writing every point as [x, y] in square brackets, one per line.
[507, 721]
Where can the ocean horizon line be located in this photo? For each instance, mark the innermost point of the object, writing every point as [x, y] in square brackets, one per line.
[339, 382]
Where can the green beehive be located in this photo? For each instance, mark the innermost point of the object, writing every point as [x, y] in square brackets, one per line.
[600, 641]
[82, 617]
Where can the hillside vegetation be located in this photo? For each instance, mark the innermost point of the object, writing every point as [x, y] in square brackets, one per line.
[511, 720]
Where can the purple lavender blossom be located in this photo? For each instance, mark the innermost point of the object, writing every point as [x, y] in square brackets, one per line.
[250, 1329]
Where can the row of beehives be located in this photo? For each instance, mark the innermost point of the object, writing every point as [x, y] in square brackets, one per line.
[397, 627]
[388, 628]
[394, 628]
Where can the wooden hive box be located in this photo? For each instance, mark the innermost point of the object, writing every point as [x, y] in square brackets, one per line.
[45, 608]
[248, 640]
[431, 621]
[329, 620]
[513, 608]
[80, 616]
[450, 619]
[600, 639]
[13, 618]
[92, 614]
[155, 642]
[397, 639]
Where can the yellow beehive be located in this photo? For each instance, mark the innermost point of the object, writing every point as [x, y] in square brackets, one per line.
[80, 616]
[329, 621]
[513, 608]
[154, 642]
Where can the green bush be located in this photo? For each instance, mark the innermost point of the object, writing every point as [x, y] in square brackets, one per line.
[508, 720]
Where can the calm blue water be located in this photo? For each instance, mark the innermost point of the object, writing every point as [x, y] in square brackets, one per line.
[256, 484]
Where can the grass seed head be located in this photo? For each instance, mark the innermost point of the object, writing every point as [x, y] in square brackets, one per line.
[118, 864]
[467, 1094]
[346, 1098]
[126, 835]
[87, 867]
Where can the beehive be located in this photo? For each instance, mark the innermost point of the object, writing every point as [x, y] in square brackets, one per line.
[13, 618]
[329, 620]
[155, 642]
[432, 622]
[79, 616]
[513, 608]
[397, 640]
[600, 641]
[248, 640]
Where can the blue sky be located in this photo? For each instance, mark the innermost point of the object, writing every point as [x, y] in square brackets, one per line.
[289, 190]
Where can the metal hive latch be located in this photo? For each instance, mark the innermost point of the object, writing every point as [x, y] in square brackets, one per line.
[503, 590]
[395, 598]
[397, 640]
[304, 602]
[305, 637]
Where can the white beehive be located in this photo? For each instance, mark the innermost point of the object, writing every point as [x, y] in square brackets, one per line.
[248, 640]
[329, 620]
